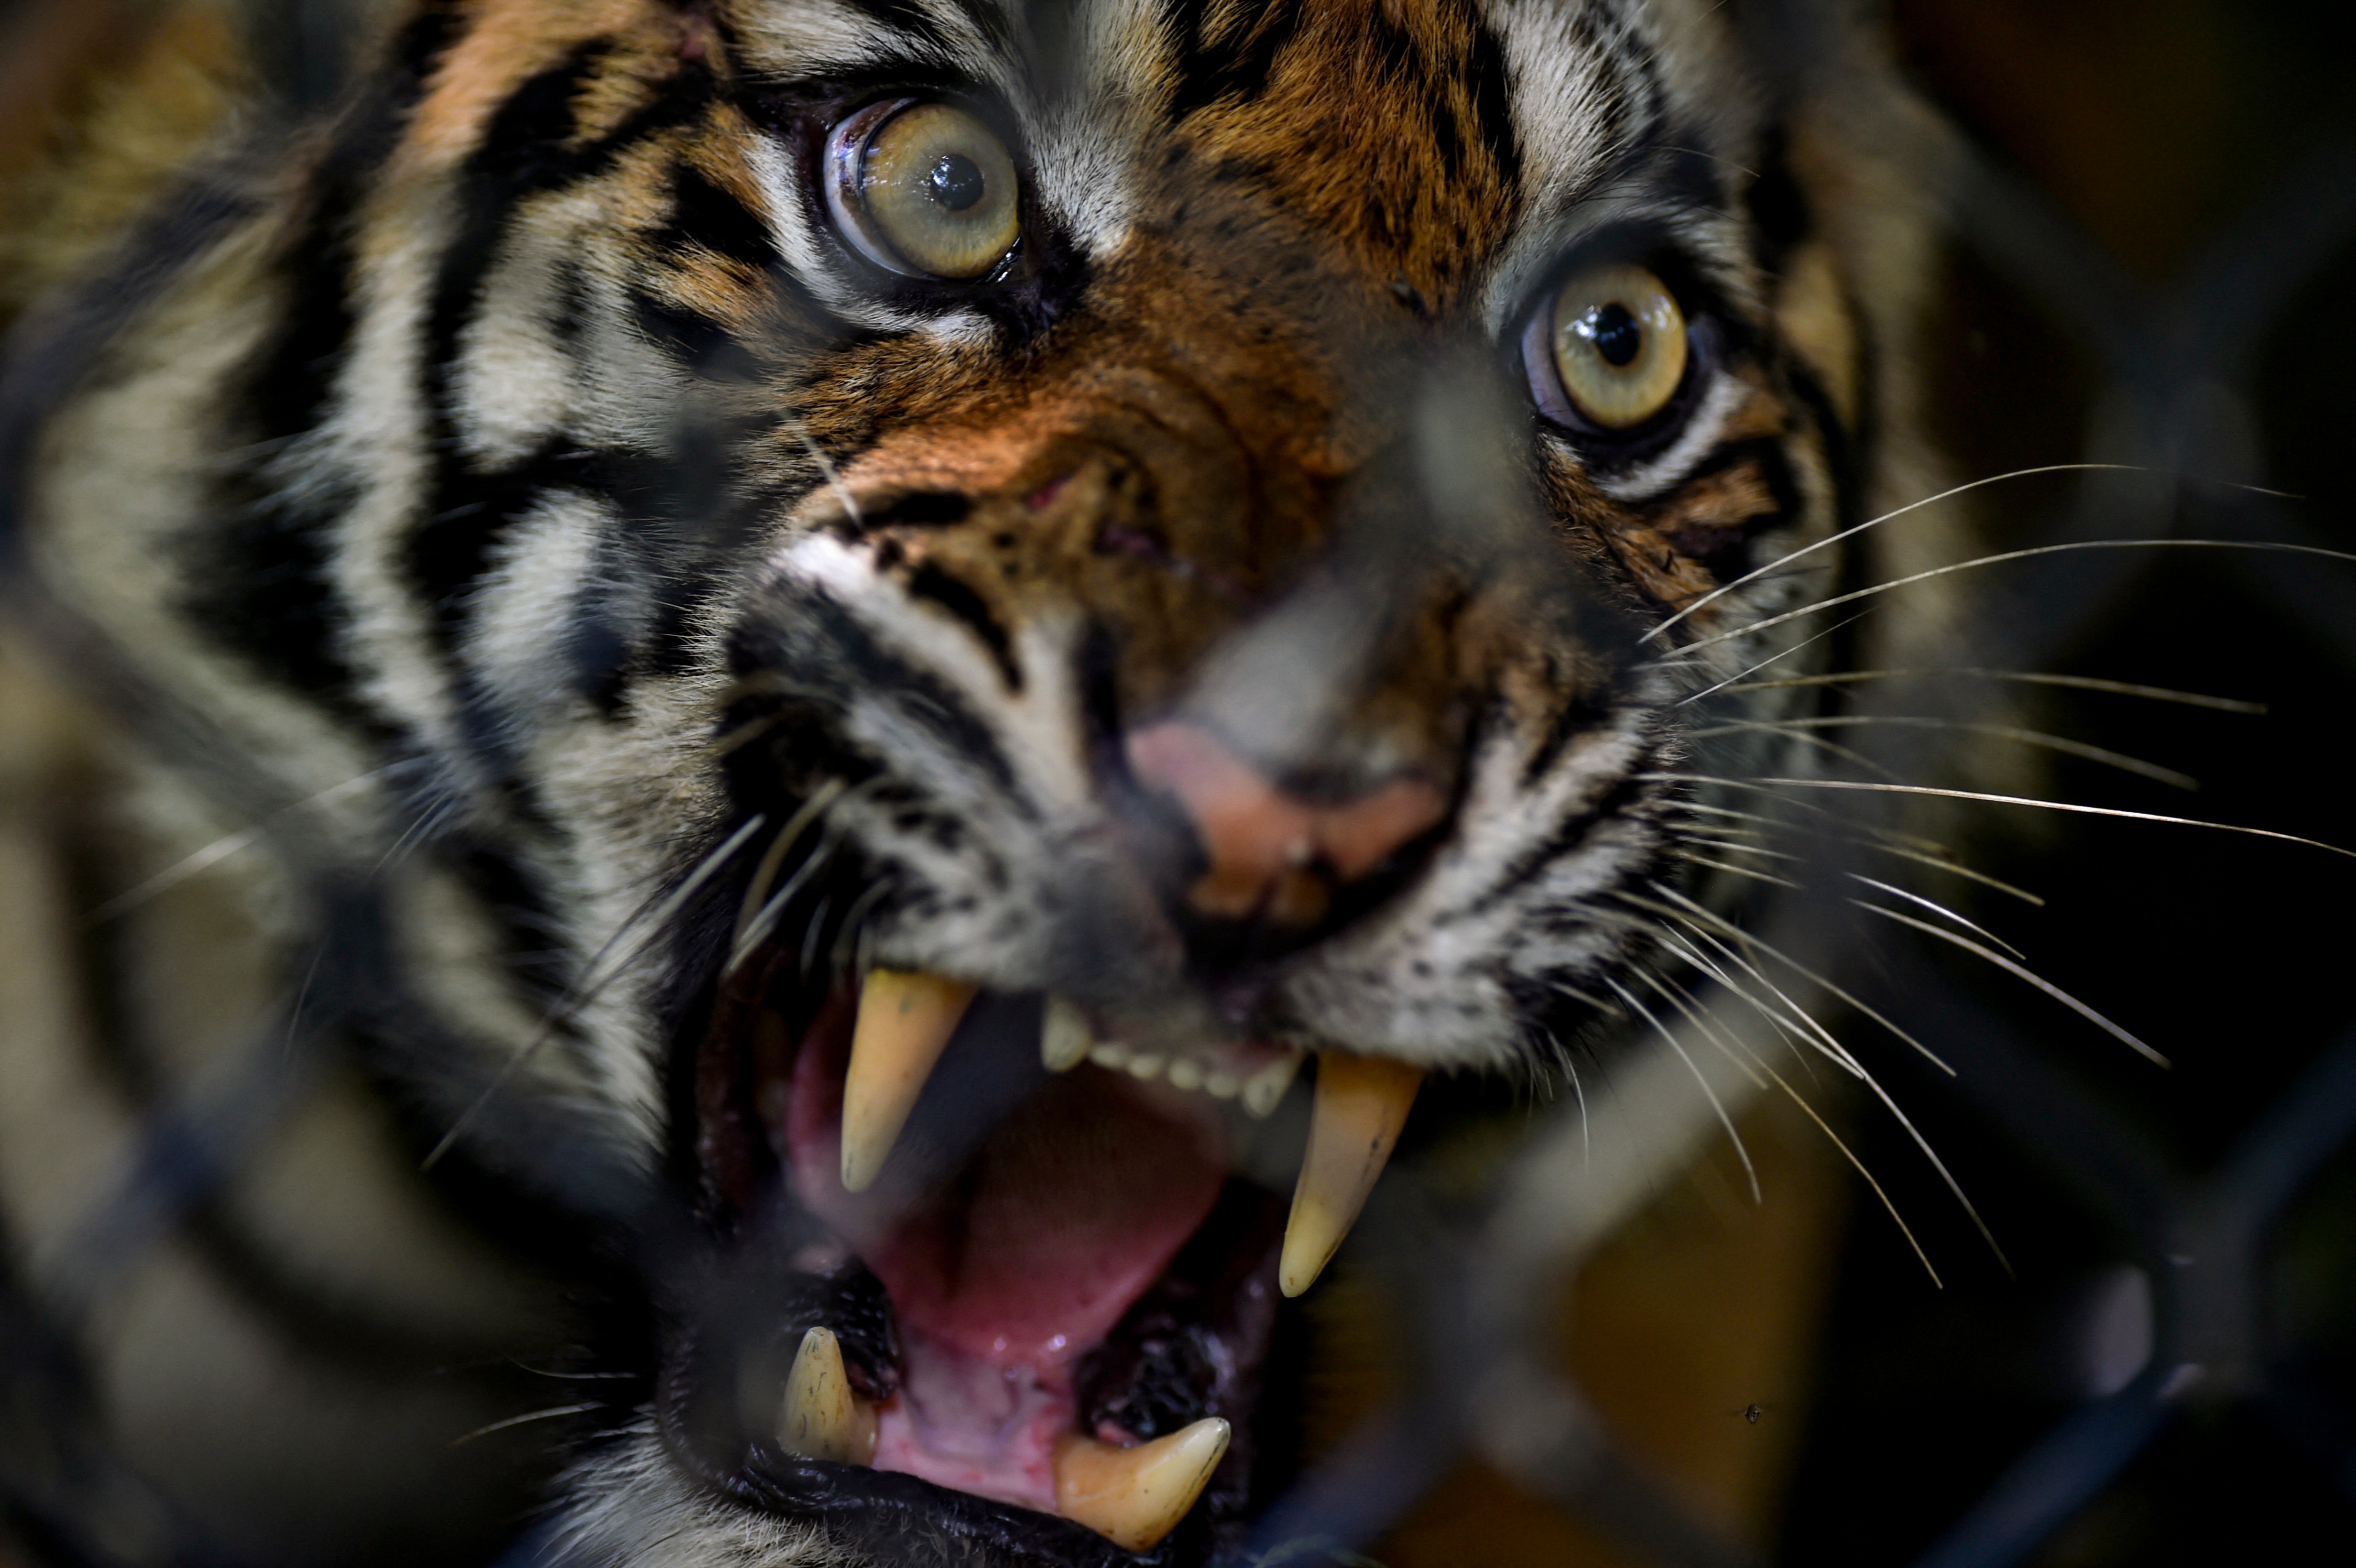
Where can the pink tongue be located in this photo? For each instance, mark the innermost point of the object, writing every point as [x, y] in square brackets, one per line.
[1075, 1204]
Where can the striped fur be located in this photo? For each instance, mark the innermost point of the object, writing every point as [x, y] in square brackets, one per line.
[530, 432]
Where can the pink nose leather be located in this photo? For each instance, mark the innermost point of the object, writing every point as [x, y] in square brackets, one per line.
[1262, 841]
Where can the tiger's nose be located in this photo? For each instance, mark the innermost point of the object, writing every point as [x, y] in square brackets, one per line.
[1273, 854]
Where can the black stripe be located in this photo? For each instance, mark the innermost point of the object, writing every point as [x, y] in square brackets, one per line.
[524, 152]
[953, 595]
[704, 214]
[1210, 70]
[708, 348]
[831, 656]
[260, 584]
[1779, 214]
[1487, 86]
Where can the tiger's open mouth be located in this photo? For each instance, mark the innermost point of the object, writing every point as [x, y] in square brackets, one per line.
[994, 1282]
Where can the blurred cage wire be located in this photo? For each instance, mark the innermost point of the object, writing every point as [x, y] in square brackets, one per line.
[2176, 388]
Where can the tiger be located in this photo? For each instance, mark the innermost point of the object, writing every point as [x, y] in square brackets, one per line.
[853, 701]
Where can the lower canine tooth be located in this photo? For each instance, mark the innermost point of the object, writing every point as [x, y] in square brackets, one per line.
[905, 1023]
[1134, 1496]
[1064, 1036]
[1362, 1102]
[1264, 1090]
[823, 1419]
[1146, 1065]
[1185, 1075]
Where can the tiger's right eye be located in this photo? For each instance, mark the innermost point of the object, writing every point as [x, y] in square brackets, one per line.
[924, 189]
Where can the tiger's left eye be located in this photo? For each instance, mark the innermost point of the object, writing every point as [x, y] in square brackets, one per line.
[1615, 343]
[924, 188]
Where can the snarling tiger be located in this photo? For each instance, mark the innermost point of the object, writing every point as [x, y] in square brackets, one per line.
[907, 675]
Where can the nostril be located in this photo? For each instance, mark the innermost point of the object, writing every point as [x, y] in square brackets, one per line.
[1262, 841]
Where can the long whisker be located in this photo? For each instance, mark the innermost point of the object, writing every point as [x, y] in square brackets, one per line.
[1784, 561]
[1769, 785]
[1570, 1066]
[1937, 908]
[1692, 858]
[1817, 742]
[2009, 968]
[765, 923]
[2026, 678]
[1684, 835]
[1748, 940]
[1709, 1094]
[2067, 547]
[2038, 738]
[221, 848]
[548, 1414]
[1858, 1165]
[1680, 998]
[592, 982]
[1804, 1050]
[1771, 658]
[1914, 1132]
[1942, 860]
[1821, 1125]
[421, 827]
[757, 889]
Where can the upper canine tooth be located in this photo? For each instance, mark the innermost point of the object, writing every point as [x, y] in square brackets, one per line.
[1134, 1496]
[1362, 1102]
[1264, 1090]
[823, 1419]
[1063, 1036]
[905, 1021]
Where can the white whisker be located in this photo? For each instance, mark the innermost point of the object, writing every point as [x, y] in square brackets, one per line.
[2009, 968]
[1711, 1094]
[1937, 908]
[1769, 786]
[2070, 547]
[2026, 678]
[1771, 658]
[593, 983]
[1998, 732]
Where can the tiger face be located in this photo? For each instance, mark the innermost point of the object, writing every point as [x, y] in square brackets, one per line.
[996, 581]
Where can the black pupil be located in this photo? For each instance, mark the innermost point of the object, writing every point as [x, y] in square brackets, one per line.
[1615, 334]
[957, 184]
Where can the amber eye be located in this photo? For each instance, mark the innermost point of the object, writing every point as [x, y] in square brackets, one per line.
[1618, 341]
[924, 188]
